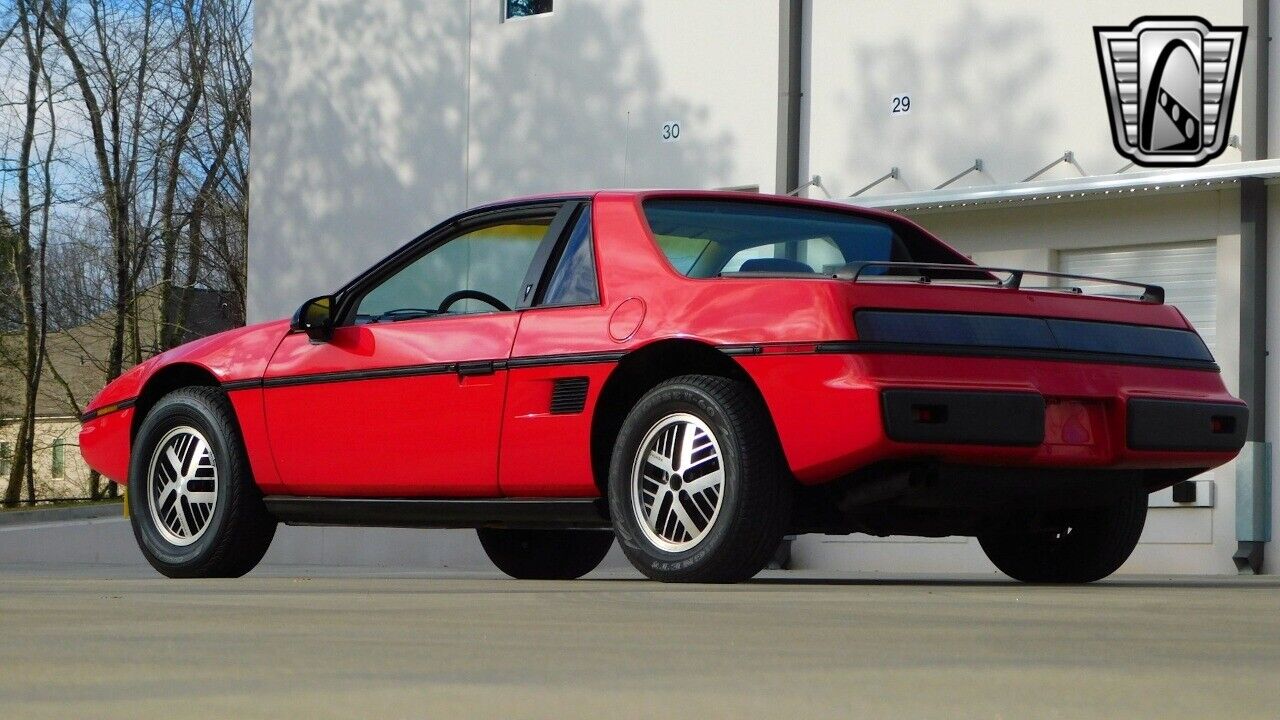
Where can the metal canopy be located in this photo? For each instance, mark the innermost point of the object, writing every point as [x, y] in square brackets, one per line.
[1209, 177]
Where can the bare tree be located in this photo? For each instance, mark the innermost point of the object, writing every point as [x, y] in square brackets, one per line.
[106, 65]
[148, 200]
[28, 256]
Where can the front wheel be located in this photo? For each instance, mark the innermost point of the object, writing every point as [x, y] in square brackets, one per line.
[698, 490]
[193, 503]
[1080, 546]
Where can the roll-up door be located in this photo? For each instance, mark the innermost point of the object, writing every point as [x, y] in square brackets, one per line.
[1187, 272]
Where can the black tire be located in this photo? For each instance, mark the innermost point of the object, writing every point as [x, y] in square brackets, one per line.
[239, 528]
[545, 554]
[1093, 543]
[755, 503]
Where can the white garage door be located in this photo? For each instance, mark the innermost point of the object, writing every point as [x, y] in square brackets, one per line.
[1187, 272]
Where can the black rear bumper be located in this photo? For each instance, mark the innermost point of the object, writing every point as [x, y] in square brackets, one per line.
[963, 417]
[969, 417]
[1156, 424]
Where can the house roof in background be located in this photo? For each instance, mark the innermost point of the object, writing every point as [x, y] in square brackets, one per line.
[79, 354]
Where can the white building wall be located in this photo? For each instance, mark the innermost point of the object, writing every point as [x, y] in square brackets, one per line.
[375, 120]
[359, 138]
[1013, 83]
[577, 99]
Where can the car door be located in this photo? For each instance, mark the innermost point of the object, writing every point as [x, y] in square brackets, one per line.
[562, 355]
[405, 399]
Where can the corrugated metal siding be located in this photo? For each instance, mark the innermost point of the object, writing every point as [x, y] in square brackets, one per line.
[1187, 272]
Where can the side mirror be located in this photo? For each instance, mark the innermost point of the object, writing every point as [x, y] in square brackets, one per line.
[314, 318]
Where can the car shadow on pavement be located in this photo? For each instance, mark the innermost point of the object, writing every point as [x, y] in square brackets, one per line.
[1242, 582]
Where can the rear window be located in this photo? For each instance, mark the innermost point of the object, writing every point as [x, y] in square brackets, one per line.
[710, 238]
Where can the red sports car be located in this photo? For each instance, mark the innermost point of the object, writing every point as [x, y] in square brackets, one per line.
[695, 374]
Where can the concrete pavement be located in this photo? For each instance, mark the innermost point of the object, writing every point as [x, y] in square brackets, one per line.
[100, 641]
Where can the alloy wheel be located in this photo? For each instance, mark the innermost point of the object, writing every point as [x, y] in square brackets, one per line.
[677, 482]
[182, 485]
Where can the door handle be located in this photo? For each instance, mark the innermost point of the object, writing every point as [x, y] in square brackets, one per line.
[469, 369]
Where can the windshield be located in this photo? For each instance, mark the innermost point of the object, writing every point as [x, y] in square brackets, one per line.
[709, 238]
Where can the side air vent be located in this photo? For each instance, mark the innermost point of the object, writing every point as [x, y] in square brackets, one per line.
[568, 395]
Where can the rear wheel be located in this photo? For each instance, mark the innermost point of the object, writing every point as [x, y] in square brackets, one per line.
[1082, 545]
[545, 554]
[698, 490]
[193, 503]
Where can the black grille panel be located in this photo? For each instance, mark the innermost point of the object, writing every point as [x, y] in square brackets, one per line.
[568, 395]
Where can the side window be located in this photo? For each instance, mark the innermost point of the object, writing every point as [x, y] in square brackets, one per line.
[491, 261]
[574, 279]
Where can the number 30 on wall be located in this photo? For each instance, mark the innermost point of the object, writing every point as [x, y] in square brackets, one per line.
[671, 131]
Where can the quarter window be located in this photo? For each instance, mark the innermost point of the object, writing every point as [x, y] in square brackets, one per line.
[574, 280]
[491, 260]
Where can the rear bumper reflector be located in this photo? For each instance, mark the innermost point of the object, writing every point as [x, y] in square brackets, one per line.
[1186, 425]
[963, 417]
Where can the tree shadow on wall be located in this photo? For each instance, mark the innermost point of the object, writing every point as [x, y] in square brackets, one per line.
[982, 85]
[361, 126]
[579, 104]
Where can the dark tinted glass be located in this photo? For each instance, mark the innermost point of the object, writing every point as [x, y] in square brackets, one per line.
[1129, 340]
[954, 329]
[706, 238]
[574, 280]
[1004, 331]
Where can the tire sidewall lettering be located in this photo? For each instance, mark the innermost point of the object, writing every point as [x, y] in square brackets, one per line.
[676, 399]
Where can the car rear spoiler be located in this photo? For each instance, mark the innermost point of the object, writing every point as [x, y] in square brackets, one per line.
[930, 272]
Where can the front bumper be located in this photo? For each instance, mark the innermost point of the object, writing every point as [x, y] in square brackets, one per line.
[838, 413]
[104, 443]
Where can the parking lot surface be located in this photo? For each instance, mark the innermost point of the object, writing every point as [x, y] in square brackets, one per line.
[381, 643]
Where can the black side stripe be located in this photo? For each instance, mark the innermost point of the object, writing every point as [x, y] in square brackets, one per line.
[567, 359]
[347, 375]
[427, 369]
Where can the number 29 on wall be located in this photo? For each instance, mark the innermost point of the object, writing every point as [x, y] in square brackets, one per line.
[900, 104]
